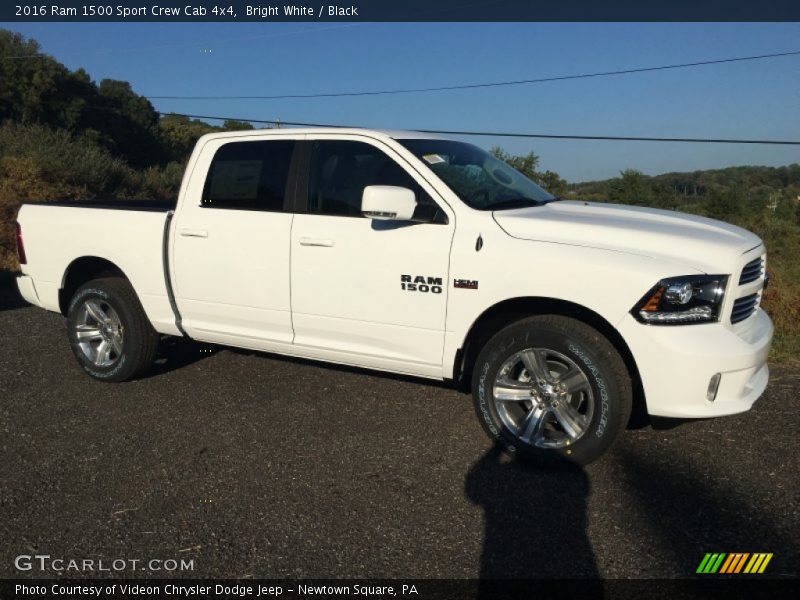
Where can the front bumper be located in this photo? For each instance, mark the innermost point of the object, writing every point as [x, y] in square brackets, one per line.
[676, 364]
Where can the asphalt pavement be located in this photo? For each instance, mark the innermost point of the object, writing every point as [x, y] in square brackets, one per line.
[254, 465]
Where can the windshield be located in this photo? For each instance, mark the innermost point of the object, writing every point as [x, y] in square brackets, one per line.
[478, 178]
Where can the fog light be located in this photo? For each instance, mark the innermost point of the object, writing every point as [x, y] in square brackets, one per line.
[713, 386]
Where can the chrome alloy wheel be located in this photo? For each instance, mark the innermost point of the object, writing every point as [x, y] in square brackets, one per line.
[544, 398]
[99, 332]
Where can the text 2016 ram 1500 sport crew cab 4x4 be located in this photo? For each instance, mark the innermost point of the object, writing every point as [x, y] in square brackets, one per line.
[409, 253]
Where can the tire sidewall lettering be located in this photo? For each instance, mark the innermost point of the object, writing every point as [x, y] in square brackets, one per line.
[600, 383]
[484, 409]
[80, 297]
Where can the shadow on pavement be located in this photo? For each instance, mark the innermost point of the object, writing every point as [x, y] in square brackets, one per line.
[534, 521]
[176, 353]
[694, 513]
[9, 295]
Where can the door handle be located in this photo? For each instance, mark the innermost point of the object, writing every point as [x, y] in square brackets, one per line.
[306, 241]
[200, 233]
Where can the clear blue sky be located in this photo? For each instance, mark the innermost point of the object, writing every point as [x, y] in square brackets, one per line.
[758, 99]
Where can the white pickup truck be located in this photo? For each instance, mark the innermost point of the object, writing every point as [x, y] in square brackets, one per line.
[409, 253]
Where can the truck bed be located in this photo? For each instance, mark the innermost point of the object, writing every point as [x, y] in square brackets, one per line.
[129, 234]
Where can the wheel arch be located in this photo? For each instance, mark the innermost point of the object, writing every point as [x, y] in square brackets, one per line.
[80, 271]
[512, 310]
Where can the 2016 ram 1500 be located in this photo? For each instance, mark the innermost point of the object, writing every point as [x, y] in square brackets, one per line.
[413, 254]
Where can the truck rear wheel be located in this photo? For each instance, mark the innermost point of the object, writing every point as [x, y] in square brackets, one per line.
[551, 389]
[108, 330]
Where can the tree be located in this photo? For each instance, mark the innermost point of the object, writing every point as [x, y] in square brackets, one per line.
[528, 164]
[727, 205]
[631, 187]
[234, 125]
[553, 183]
[525, 164]
[128, 123]
[30, 81]
[787, 209]
[179, 134]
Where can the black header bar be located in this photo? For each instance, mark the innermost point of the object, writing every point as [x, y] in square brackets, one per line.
[398, 10]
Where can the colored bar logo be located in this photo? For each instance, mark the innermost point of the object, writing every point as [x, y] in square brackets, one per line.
[735, 562]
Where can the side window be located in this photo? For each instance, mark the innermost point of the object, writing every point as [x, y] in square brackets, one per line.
[249, 175]
[340, 170]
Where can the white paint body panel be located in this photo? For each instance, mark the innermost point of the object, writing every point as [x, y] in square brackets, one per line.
[55, 236]
[329, 288]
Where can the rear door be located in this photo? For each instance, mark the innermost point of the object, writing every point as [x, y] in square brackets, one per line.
[367, 292]
[231, 243]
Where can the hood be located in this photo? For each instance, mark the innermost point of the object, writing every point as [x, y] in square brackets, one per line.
[703, 243]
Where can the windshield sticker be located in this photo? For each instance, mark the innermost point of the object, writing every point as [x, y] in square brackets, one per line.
[433, 159]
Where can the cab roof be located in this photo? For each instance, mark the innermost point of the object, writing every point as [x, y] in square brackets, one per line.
[373, 133]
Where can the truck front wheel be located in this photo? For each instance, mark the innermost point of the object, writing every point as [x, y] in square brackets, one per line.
[552, 389]
[108, 330]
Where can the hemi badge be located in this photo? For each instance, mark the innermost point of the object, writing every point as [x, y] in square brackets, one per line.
[467, 284]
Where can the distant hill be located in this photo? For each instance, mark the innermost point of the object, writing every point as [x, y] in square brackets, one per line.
[759, 185]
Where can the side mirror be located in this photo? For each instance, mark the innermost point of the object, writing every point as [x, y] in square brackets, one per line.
[388, 203]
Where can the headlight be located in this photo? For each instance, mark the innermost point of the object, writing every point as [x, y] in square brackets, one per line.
[682, 300]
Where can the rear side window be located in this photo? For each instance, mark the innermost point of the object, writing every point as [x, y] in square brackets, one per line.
[249, 176]
[340, 170]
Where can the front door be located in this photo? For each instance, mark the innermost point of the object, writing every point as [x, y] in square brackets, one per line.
[368, 292]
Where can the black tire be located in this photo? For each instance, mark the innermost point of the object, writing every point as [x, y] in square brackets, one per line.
[567, 344]
[138, 339]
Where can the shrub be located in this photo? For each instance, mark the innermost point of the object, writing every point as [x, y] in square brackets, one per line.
[162, 183]
[60, 158]
[39, 164]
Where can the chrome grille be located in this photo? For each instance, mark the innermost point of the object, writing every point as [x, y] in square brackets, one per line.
[744, 307]
[752, 271]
